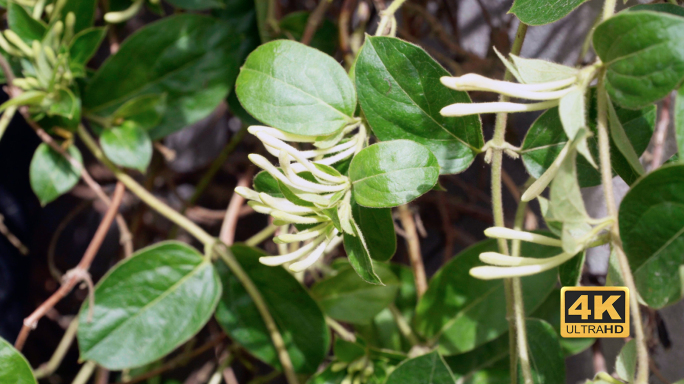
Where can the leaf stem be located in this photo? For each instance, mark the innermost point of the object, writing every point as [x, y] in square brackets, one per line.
[205, 239]
[514, 303]
[340, 330]
[616, 243]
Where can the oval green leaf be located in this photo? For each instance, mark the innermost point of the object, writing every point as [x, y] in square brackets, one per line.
[25, 26]
[51, 174]
[401, 95]
[377, 227]
[297, 89]
[297, 315]
[127, 145]
[652, 230]
[643, 54]
[346, 297]
[540, 12]
[158, 59]
[163, 295]
[462, 312]
[83, 47]
[14, 368]
[546, 357]
[392, 173]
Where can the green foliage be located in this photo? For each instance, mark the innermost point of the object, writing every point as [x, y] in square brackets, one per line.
[181, 300]
[652, 231]
[127, 145]
[345, 297]
[155, 60]
[13, 366]
[296, 89]
[400, 95]
[625, 365]
[51, 174]
[643, 56]
[543, 12]
[23, 24]
[298, 317]
[546, 357]
[430, 366]
[679, 120]
[392, 173]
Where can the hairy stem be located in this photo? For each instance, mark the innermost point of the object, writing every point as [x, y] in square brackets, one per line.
[516, 333]
[616, 243]
[206, 239]
[388, 16]
[85, 372]
[518, 307]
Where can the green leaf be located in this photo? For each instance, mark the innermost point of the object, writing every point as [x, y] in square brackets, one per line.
[127, 145]
[297, 315]
[549, 311]
[625, 365]
[546, 138]
[14, 368]
[651, 221]
[659, 7]
[346, 297]
[358, 254]
[51, 174]
[163, 294]
[401, 95]
[621, 140]
[570, 272]
[197, 5]
[83, 46]
[377, 227]
[21, 22]
[643, 55]
[328, 376]
[264, 182]
[462, 312]
[347, 351]
[292, 27]
[392, 173]
[429, 368]
[159, 58]
[84, 10]
[484, 356]
[546, 358]
[679, 120]
[572, 111]
[145, 110]
[64, 103]
[534, 12]
[297, 89]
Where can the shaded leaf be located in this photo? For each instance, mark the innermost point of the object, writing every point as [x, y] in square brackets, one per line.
[21, 23]
[429, 369]
[127, 145]
[377, 227]
[51, 174]
[546, 358]
[14, 368]
[626, 362]
[82, 48]
[533, 12]
[304, 330]
[163, 294]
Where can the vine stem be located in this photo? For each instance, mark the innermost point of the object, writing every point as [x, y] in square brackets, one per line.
[616, 243]
[514, 301]
[208, 241]
[388, 16]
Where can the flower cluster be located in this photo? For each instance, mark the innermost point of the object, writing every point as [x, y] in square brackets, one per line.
[317, 202]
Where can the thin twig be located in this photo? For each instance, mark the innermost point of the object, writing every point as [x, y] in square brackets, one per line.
[413, 245]
[55, 361]
[340, 330]
[227, 234]
[14, 240]
[177, 361]
[78, 274]
[343, 32]
[315, 20]
[661, 133]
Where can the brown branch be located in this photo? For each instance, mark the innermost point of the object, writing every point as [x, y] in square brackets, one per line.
[78, 274]
[227, 234]
[177, 361]
[413, 245]
[314, 21]
[661, 133]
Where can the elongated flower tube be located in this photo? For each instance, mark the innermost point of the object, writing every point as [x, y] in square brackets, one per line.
[465, 109]
[525, 266]
[512, 234]
[543, 91]
[287, 258]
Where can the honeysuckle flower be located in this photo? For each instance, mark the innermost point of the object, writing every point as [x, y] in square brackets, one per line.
[512, 234]
[515, 266]
[327, 190]
[548, 94]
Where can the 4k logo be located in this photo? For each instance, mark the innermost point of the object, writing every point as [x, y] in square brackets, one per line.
[594, 312]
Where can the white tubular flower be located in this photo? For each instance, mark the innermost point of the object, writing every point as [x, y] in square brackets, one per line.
[285, 205]
[302, 236]
[523, 266]
[287, 258]
[543, 91]
[465, 109]
[254, 129]
[313, 256]
[512, 234]
[291, 218]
